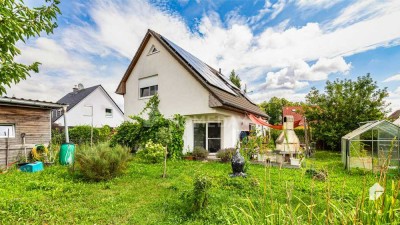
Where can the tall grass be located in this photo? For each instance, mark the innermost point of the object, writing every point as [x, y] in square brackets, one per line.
[335, 210]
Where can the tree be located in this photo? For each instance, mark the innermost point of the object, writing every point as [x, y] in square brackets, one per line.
[18, 23]
[235, 79]
[274, 108]
[343, 105]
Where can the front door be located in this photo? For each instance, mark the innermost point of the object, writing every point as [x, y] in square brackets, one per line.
[208, 136]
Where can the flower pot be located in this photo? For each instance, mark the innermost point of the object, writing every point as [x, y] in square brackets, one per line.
[189, 157]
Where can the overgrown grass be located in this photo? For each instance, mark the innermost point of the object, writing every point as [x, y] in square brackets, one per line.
[141, 196]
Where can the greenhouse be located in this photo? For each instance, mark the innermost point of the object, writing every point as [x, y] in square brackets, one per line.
[372, 145]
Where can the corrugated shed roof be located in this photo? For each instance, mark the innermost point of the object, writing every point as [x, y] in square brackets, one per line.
[29, 102]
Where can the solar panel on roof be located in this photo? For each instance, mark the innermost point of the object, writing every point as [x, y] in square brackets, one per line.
[202, 68]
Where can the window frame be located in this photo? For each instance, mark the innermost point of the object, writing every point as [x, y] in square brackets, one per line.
[109, 114]
[12, 133]
[155, 91]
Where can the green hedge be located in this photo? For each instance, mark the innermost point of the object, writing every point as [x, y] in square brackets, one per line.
[81, 135]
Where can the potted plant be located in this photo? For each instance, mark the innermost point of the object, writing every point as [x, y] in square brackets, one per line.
[188, 156]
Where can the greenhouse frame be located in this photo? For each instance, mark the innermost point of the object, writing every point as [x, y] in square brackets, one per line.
[371, 146]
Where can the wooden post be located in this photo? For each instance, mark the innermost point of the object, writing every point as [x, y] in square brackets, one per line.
[308, 152]
[165, 163]
[7, 147]
[66, 124]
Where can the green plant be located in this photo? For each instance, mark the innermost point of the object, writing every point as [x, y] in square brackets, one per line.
[168, 132]
[199, 197]
[101, 162]
[199, 153]
[225, 155]
[82, 134]
[19, 22]
[152, 152]
[342, 106]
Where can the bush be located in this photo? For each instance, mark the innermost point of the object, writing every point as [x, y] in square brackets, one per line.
[152, 152]
[225, 155]
[201, 187]
[127, 134]
[168, 132]
[101, 162]
[81, 134]
[200, 153]
[197, 199]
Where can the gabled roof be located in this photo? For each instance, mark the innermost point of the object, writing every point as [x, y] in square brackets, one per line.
[30, 103]
[73, 98]
[395, 115]
[224, 93]
[295, 111]
[383, 125]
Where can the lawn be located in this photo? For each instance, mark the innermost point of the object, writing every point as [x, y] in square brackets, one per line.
[141, 196]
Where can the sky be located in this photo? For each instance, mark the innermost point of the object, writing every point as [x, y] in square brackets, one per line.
[279, 48]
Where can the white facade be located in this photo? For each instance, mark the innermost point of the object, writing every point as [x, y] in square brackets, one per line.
[101, 104]
[179, 93]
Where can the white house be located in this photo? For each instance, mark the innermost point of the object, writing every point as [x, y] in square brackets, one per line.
[85, 104]
[215, 110]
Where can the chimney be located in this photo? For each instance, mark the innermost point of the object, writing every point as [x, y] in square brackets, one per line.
[288, 122]
[219, 70]
[75, 89]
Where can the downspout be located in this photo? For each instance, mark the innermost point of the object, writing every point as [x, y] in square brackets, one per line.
[66, 124]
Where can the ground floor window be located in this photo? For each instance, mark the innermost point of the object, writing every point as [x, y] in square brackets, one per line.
[7, 130]
[208, 136]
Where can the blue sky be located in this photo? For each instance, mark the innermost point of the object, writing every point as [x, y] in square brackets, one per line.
[278, 47]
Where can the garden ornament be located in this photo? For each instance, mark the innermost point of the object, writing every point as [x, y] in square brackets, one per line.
[238, 163]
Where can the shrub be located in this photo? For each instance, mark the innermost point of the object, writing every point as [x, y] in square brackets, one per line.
[152, 152]
[168, 132]
[197, 199]
[101, 162]
[201, 187]
[127, 134]
[81, 134]
[225, 155]
[200, 153]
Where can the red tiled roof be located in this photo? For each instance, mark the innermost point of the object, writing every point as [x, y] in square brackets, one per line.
[295, 111]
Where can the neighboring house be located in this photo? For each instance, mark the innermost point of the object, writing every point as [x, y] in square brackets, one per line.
[23, 119]
[215, 109]
[296, 112]
[83, 102]
[395, 117]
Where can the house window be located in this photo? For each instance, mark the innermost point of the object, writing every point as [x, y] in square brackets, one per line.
[148, 91]
[208, 136]
[148, 86]
[252, 127]
[109, 112]
[7, 130]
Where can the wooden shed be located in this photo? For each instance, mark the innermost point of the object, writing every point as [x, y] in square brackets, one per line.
[23, 123]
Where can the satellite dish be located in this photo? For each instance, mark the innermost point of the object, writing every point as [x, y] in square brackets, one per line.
[80, 86]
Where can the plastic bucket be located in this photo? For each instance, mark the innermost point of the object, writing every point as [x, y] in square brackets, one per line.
[67, 153]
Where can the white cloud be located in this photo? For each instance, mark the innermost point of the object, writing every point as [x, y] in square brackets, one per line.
[291, 95]
[365, 9]
[117, 27]
[324, 4]
[272, 9]
[299, 73]
[393, 78]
